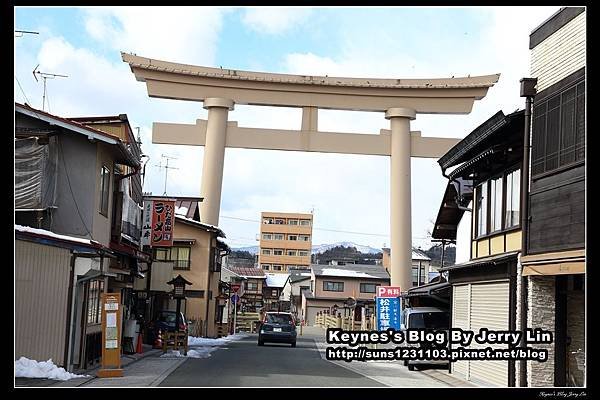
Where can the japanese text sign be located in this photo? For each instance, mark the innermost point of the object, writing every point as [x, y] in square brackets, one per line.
[388, 313]
[388, 291]
[157, 230]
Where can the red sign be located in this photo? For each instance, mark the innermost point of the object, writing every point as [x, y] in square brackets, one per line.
[388, 291]
[235, 288]
[163, 214]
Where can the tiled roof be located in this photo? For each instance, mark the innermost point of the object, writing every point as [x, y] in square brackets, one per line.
[247, 272]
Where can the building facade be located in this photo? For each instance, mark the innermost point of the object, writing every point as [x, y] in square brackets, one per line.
[554, 262]
[285, 241]
[421, 266]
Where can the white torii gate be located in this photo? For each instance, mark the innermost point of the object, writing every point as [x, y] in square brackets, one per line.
[400, 100]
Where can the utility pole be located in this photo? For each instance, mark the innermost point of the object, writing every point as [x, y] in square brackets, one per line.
[45, 76]
[19, 33]
[166, 167]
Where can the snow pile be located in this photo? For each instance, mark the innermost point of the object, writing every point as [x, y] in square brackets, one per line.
[194, 341]
[26, 368]
[345, 272]
[203, 352]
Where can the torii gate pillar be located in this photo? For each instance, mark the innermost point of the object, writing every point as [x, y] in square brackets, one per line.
[214, 155]
[400, 197]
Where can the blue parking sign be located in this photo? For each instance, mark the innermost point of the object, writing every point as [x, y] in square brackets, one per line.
[388, 313]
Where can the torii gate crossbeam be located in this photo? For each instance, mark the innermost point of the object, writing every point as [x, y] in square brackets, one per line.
[399, 99]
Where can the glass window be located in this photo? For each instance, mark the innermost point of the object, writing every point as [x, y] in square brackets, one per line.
[496, 204]
[291, 252]
[251, 285]
[266, 252]
[281, 319]
[276, 267]
[333, 286]
[266, 267]
[267, 220]
[292, 237]
[292, 222]
[304, 238]
[274, 293]
[179, 254]
[278, 236]
[267, 236]
[429, 320]
[279, 221]
[368, 287]
[104, 189]
[305, 222]
[303, 253]
[513, 201]
[482, 209]
[278, 252]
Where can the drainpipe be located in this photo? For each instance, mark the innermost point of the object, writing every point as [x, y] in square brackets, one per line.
[528, 91]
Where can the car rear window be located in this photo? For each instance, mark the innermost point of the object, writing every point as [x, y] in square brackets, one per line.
[429, 320]
[279, 319]
[167, 317]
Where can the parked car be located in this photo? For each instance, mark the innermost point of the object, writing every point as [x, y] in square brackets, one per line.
[165, 322]
[277, 327]
[430, 318]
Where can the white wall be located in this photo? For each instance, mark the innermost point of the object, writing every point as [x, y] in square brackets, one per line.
[463, 237]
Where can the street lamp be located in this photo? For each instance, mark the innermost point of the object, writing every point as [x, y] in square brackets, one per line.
[178, 293]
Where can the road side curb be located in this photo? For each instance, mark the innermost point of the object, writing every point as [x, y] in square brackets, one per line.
[168, 372]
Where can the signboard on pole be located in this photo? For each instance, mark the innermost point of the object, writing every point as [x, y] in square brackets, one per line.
[235, 298]
[235, 288]
[111, 336]
[388, 307]
[158, 220]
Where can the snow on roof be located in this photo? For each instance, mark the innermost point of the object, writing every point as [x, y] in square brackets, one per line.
[44, 232]
[201, 224]
[346, 273]
[276, 280]
[419, 255]
[181, 210]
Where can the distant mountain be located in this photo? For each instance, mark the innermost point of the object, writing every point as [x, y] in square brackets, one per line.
[320, 248]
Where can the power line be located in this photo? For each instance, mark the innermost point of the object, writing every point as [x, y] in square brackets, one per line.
[22, 91]
[324, 229]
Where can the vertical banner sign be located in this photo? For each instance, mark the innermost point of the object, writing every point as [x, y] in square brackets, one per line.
[388, 307]
[111, 336]
[163, 212]
[147, 223]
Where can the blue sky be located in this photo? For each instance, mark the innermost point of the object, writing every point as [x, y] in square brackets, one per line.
[392, 42]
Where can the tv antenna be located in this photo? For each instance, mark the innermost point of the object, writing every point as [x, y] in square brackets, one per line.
[20, 33]
[166, 167]
[45, 76]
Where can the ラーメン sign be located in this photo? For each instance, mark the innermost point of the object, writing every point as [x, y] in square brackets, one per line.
[157, 229]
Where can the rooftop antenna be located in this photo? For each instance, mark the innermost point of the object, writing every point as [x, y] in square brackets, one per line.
[166, 167]
[19, 33]
[44, 76]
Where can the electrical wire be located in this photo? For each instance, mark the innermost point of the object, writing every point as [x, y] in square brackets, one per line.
[22, 91]
[323, 229]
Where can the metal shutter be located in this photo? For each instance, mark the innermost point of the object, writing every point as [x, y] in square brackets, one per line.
[460, 319]
[489, 309]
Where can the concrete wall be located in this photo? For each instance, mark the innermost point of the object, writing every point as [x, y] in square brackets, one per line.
[541, 314]
[41, 299]
[560, 54]
[102, 223]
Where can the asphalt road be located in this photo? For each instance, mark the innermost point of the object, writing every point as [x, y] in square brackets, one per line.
[244, 363]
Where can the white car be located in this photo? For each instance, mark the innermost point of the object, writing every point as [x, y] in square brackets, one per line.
[428, 318]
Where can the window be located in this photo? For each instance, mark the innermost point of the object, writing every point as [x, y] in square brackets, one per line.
[304, 238]
[278, 236]
[558, 129]
[496, 204]
[303, 253]
[266, 267]
[276, 267]
[513, 198]
[267, 236]
[305, 222]
[291, 252]
[482, 209]
[94, 305]
[266, 252]
[274, 293]
[333, 286]
[292, 237]
[279, 221]
[267, 220]
[278, 252]
[104, 190]
[292, 222]
[251, 286]
[180, 255]
[368, 287]
[417, 279]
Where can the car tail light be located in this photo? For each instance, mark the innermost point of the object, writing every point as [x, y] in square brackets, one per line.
[182, 327]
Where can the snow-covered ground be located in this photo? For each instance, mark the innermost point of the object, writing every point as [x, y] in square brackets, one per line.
[200, 347]
[26, 368]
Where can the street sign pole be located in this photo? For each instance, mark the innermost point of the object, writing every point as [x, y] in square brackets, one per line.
[234, 316]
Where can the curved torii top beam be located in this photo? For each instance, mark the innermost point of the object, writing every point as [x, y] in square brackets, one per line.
[190, 82]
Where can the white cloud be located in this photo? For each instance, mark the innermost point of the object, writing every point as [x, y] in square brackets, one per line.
[274, 20]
